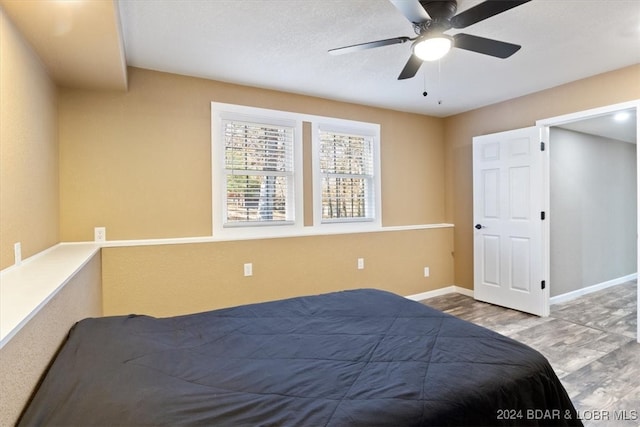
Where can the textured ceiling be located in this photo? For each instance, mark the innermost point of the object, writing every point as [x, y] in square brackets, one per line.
[282, 44]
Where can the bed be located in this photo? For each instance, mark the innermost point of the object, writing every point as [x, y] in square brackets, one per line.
[353, 358]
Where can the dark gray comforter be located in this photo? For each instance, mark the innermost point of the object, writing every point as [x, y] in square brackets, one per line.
[353, 358]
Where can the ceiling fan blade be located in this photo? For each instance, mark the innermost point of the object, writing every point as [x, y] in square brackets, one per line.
[412, 10]
[483, 11]
[486, 46]
[411, 68]
[368, 45]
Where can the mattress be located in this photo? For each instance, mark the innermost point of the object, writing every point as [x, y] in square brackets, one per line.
[354, 358]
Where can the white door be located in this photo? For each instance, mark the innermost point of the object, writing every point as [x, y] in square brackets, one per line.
[508, 220]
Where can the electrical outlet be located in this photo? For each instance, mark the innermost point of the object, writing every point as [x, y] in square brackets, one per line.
[360, 263]
[17, 253]
[248, 269]
[426, 272]
[100, 234]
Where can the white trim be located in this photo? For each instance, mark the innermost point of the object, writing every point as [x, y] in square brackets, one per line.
[300, 232]
[545, 200]
[416, 227]
[453, 289]
[558, 299]
[572, 117]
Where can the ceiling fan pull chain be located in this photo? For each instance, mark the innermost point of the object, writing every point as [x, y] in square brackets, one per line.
[424, 81]
[439, 80]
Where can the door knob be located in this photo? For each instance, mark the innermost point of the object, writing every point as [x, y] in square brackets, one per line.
[479, 226]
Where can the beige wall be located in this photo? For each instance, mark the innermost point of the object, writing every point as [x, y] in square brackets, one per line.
[139, 163]
[601, 90]
[179, 279]
[29, 205]
[26, 356]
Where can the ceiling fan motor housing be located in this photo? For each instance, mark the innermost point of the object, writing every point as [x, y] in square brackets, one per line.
[438, 9]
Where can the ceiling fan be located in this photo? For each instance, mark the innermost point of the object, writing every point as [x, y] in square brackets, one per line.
[430, 19]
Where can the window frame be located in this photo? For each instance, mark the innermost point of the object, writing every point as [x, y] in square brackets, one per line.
[296, 227]
[373, 198]
[221, 112]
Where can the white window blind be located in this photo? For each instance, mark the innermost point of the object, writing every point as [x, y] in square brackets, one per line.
[259, 171]
[347, 174]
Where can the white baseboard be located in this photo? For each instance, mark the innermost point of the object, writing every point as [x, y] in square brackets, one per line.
[442, 291]
[593, 288]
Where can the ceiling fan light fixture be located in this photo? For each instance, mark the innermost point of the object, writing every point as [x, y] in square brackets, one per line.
[433, 48]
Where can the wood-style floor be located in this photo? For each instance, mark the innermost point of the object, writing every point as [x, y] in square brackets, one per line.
[589, 341]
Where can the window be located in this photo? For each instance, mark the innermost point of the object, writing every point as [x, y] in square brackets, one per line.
[346, 178]
[346, 170]
[256, 174]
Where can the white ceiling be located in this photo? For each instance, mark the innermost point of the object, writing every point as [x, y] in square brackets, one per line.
[608, 126]
[282, 45]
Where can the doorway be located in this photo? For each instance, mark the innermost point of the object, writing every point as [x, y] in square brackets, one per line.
[581, 271]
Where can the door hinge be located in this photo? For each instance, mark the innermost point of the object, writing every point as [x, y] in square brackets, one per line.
[543, 284]
[541, 145]
[543, 216]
